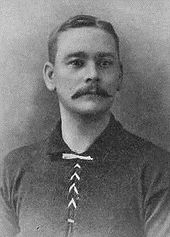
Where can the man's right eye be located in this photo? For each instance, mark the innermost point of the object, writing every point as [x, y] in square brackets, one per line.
[76, 63]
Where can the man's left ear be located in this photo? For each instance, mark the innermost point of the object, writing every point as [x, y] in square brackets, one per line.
[48, 75]
[120, 77]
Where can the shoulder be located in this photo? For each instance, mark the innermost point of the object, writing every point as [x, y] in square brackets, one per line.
[143, 151]
[149, 163]
[21, 158]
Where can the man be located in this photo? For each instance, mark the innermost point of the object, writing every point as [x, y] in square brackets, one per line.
[90, 178]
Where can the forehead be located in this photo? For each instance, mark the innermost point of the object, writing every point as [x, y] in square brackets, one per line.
[90, 40]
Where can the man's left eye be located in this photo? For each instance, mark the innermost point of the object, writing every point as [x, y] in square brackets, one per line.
[104, 63]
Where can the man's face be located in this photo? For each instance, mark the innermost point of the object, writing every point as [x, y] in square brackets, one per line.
[86, 70]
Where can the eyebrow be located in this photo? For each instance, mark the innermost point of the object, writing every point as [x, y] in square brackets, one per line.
[82, 54]
[105, 54]
[79, 54]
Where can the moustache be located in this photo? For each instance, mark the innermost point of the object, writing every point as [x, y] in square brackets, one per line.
[91, 91]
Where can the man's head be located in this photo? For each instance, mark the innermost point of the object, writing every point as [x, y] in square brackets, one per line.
[84, 64]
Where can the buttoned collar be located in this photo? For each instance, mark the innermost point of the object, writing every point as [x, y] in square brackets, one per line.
[105, 142]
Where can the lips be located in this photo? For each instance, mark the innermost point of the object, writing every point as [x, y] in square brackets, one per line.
[97, 93]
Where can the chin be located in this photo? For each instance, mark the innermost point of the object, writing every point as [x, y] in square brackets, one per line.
[92, 110]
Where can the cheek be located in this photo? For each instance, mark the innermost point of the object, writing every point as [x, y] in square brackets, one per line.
[111, 85]
[65, 86]
[110, 79]
[66, 78]
[62, 81]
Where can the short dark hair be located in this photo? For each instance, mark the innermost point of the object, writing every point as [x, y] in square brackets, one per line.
[79, 21]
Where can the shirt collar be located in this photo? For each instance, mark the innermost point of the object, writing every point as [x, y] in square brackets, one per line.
[102, 145]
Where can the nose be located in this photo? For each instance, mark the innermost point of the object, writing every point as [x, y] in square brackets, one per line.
[92, 74]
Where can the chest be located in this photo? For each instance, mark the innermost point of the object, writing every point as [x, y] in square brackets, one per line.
[105, 201]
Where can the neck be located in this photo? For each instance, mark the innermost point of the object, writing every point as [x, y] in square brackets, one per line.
[80, 131]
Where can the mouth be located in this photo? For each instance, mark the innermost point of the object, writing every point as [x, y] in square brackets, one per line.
[95, 93]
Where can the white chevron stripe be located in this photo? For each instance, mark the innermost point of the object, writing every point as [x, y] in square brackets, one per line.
[75, 189]
[68, 156]
[77, 166]
[72, 202]
[76, 175]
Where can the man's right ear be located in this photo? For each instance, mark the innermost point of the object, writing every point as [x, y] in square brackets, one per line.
[48, 75]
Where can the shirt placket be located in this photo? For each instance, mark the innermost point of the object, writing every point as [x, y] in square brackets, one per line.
[73, 190]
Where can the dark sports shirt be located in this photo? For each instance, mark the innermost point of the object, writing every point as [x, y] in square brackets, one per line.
[119, 187]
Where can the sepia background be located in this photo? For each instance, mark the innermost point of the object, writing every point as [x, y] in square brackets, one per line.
[28, 112]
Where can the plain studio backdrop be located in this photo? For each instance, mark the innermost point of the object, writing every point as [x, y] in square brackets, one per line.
[28, 111]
